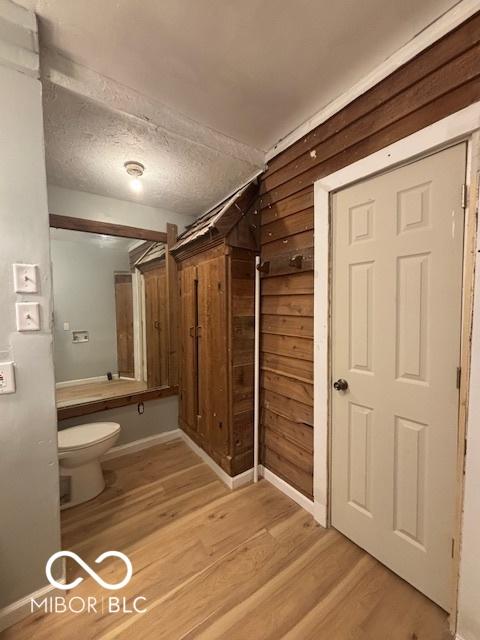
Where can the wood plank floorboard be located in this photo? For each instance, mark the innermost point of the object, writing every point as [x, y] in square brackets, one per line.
[214, 564]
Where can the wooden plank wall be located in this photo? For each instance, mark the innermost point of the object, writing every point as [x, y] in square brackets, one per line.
[441, 80]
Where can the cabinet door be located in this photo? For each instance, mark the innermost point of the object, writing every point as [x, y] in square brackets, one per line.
[212, 354]
[188, 359]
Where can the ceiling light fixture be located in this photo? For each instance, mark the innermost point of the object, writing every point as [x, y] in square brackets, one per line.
[135, 169]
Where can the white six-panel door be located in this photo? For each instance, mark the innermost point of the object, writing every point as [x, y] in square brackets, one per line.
[396, 318]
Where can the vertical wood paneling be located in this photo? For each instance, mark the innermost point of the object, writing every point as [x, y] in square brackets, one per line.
[441, 80]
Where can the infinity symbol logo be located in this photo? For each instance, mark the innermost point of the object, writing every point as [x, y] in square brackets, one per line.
[91, 572]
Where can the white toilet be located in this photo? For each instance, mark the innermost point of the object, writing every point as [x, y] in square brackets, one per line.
[79, 452]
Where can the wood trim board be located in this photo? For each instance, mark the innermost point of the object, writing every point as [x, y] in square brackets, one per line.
[173, 304]
[76, 410]
[470, 248]
[106, 228]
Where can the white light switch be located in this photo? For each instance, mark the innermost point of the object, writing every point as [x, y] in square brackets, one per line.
[28, 316]
[7, 377]
[25, 278]
[66, 326]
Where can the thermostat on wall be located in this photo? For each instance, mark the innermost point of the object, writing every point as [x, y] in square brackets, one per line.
[7, 377]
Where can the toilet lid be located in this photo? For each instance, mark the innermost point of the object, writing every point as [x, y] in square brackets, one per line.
[86, 434]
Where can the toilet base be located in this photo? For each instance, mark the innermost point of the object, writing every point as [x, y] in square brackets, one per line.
[86, 482]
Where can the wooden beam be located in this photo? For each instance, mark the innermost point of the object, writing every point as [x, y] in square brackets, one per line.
[173, 303]
[106, 228]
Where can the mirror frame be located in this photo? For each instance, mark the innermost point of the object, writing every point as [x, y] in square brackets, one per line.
[168, 238]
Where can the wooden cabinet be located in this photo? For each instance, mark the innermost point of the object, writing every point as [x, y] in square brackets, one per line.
[216, 338]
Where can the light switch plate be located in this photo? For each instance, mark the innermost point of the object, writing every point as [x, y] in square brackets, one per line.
[7, 378]
[25, 278]
[28, 316]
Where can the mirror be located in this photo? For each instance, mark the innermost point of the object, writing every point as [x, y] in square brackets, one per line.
[110, 317]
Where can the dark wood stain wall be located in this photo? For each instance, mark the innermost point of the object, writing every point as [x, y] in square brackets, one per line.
[441, 80]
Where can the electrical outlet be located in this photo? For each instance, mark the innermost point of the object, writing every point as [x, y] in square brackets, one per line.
[7, 378]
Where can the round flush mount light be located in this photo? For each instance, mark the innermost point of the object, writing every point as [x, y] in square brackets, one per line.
[135, 169]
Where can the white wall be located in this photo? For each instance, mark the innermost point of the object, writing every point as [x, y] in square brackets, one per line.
[160, 415]
[83, 272]
[29, 494]
[80, 204]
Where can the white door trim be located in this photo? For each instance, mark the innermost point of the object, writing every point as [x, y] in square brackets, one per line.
[443, 133]
[458, 127]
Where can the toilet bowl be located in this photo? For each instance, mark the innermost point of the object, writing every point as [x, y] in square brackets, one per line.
[79, 452]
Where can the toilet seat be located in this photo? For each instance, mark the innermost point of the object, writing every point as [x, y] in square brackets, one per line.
[86, 435]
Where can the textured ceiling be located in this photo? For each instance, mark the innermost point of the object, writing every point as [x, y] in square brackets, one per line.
[197, 90]
[87, 145]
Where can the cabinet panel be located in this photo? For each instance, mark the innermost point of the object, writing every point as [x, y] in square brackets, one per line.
[212, 354]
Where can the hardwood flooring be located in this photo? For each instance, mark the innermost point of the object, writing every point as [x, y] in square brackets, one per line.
[214, 564]
[89, 392]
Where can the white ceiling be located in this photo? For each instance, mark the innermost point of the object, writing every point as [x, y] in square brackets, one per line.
[245, 72]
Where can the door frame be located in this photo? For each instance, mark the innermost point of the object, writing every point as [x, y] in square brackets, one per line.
[462, 126]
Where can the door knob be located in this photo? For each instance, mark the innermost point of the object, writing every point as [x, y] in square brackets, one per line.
[340, 385]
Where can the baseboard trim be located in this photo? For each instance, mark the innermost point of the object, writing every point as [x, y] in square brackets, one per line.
[242, 479]
[287, 489]
[143, 443]
[320, 513]
[232, 482]
[459, 637]
[21, 609]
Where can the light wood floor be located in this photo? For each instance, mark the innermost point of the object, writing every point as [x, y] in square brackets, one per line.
[247, 565]
[75, 394]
